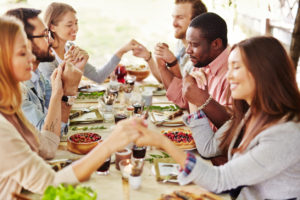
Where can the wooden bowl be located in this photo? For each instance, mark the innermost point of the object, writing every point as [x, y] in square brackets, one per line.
[140, 75]
[81, 146]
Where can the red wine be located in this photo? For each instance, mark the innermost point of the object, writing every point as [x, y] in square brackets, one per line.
[138, 152]
[119, 117]
[105, 166]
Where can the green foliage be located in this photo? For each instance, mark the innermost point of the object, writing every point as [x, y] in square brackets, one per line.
[90, 95]
[153, 156]
[68, 192]
[75, 128]
[162, 108]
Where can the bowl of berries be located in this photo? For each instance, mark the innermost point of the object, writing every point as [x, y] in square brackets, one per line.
[82, 143]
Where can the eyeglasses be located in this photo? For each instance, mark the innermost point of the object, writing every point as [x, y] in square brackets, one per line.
[46, 35]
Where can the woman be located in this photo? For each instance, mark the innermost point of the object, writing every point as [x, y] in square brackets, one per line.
[62, 22]
[262, 140]
[19, 144]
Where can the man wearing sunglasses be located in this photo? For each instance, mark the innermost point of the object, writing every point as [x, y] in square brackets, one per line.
[41, 100]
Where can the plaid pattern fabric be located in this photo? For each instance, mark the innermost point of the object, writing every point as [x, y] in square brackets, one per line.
[190, 162]
[196, 115]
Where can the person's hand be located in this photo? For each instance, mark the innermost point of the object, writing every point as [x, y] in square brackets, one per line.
[123, 134]
[77, 56]
[200, 77]
[162, 51]
[71, 77]
[141, 51]
[127, 47]
[56, 82]
[191, 91]
[147, 137]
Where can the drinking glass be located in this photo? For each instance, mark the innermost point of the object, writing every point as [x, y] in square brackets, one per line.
[121, 155]
[121, 72]
[139, 152]
[104, 168]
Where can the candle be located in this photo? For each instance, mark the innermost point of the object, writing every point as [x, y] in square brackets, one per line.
[127, 171]
[121, 155]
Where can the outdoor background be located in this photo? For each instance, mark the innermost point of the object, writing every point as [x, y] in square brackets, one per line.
[106, 25]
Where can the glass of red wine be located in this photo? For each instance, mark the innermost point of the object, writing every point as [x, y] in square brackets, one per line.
[138, 152]
[120, 72]
[104, 168]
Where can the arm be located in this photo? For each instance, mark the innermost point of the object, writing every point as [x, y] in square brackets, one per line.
[99, 75]
[214, 111]
[260, 163]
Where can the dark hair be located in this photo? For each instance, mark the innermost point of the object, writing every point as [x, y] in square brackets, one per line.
[212, 26]
[24, 14]
[198, 7]
[276, 90]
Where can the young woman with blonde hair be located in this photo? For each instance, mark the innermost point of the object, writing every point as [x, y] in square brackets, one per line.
[20, 143]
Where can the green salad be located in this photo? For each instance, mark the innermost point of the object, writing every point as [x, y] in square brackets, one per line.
[68, 192]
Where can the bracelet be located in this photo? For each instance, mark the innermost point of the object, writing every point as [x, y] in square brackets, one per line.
[206, 103]
[172, 63]
[150, 56]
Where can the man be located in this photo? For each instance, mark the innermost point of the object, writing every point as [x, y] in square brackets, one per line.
[184, 11]
[43, 109]
[207, 48]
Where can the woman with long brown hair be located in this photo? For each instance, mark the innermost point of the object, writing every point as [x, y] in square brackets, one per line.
[22, 165]
[262, 139]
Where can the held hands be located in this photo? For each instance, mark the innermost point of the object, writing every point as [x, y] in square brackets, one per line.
[71, 77]
[200, 78]
[191, 91]
[134, 130]
[141, 51]
[77, 56]
[131, 45]
[56, 82]
[162, 51]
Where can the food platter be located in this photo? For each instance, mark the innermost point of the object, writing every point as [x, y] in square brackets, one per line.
[168, 115]
[92, 116]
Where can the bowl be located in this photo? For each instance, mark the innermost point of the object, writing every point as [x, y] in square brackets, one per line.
[82, 143]
[140, 72]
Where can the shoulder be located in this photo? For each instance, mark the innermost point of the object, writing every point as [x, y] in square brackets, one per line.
[288, 132]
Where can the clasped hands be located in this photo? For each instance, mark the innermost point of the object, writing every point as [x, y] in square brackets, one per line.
[194, 87]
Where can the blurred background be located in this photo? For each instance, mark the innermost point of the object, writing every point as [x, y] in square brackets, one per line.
[106, 25]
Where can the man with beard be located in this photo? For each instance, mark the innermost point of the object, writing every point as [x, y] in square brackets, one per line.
[184, 11]
[41, 100]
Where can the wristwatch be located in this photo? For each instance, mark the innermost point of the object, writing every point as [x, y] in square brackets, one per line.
[172, 64]
[69, 99]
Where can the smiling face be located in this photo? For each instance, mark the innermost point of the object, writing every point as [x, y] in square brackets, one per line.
[199, 48]
[67, 28]
[22, 58]
[242, 84]
[182, 15]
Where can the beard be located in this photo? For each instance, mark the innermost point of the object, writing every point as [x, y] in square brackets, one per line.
[42, 56]
[179, 35]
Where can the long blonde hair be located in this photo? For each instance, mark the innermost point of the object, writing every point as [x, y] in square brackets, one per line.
[10, 91]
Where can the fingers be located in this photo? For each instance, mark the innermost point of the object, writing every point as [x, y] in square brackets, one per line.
[200, 79]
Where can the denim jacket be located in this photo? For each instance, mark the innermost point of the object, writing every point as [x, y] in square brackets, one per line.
[36, 94]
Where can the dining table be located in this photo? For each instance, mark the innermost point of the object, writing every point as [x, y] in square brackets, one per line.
[112, 186]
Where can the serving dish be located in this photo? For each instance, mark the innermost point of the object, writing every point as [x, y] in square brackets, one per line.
[140, 71]
[82, 143]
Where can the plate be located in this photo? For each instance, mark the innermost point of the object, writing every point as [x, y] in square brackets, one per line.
[160, 118]
[87, 118]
